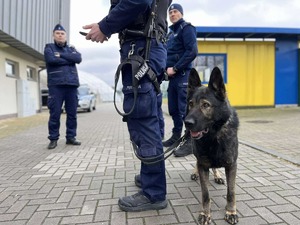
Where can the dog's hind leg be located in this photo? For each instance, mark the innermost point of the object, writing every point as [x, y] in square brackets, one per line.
[231, 214]
[217, 176]
[204, 216]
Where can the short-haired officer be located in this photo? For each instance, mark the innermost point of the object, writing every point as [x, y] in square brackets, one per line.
[63, 81]
[182, 50]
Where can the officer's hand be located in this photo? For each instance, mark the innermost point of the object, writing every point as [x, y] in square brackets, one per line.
[170, 72]
[95, 33]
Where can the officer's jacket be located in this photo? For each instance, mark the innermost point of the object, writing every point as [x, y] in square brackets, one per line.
[123, 14]
[181, 45]
[61, 70]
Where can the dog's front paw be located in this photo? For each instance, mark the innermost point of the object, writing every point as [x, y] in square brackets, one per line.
[204, 219]
[194, 176]
[231, 218]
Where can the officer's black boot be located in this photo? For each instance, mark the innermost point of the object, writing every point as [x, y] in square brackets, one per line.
[139, 202]
[184, 148]
[171, 140]
[52, 144]
[73, 141]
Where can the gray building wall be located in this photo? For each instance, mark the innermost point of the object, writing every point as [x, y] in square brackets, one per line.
[30, 22]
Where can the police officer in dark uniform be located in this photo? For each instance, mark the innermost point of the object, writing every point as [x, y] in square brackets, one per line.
[182, 50]
[63, 81]
[130, 18]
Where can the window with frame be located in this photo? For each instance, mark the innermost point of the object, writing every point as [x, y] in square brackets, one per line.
[31, 73]
[11, 68]
[204, 64]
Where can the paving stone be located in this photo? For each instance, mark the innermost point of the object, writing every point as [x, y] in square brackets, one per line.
[26, 212]
[289, 218]
[137, 221]
[88, 207]
[17, 206]
[77, 219]
[165, 219]
[64, 212]
[283, 208]
[268, 215]
[102, 213]
[18, 222]
[183, 214]
[37, 218]
[52, 206]
[65, 197]
[76, 201]
[245, 210]
[7, 217]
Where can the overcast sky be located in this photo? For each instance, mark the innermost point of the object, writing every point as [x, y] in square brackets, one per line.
[102, 59]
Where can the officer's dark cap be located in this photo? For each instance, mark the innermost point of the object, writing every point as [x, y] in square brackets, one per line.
[176, 6]
[59, 27]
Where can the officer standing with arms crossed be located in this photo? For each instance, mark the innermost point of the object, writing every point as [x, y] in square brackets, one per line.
[62, 81]
[182, 50]
[130, 18]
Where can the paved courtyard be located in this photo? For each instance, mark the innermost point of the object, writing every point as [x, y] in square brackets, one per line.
[81, 184]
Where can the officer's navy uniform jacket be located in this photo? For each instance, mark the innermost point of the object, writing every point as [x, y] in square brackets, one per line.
[182, 50]
[62, 70]
[143, 124]
[62, 78]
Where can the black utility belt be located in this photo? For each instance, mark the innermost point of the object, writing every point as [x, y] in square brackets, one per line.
[130, 35]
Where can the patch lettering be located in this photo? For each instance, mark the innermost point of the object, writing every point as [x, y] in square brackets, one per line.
[142, 71]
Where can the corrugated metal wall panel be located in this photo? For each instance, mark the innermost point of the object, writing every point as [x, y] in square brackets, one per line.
[13, 18]
[6, 13]
[32, 21]
[19, 12]
[29, 32]
[1, 13]
[286, 71]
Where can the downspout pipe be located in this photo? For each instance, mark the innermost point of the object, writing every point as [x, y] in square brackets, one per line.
[39, 87]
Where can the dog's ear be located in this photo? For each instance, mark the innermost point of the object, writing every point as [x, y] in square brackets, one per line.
[194, 79]
[193, 83]
[216, 83]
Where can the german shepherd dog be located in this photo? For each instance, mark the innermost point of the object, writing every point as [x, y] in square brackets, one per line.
[213, 125]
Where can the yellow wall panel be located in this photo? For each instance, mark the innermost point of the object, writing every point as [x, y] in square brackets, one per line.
[250, 70]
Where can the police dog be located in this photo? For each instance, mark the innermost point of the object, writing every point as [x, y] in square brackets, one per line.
[213, 125]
